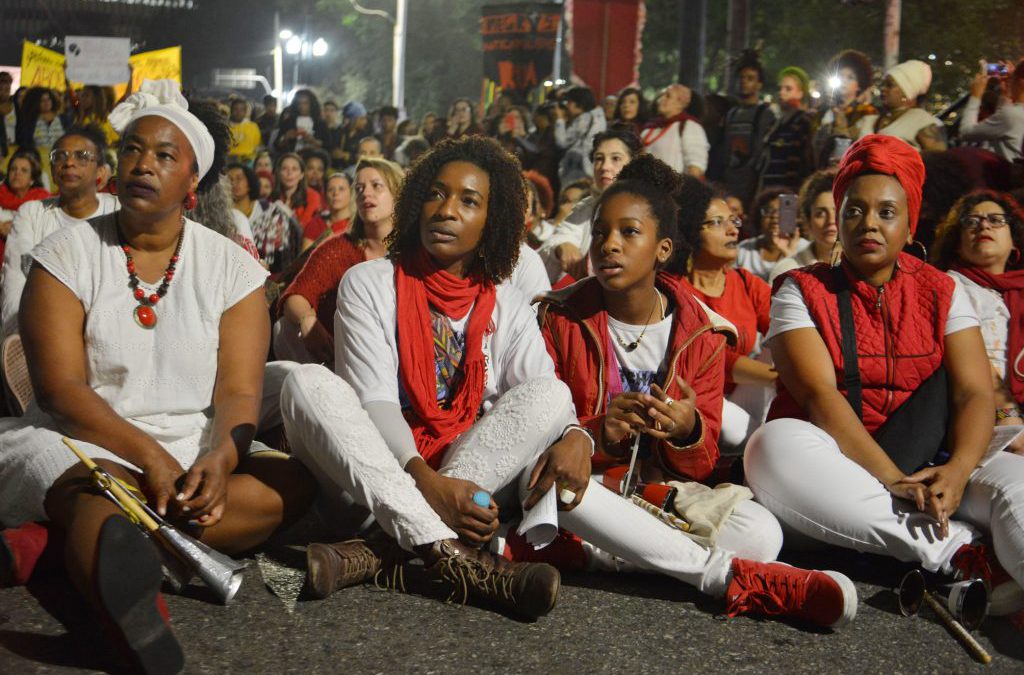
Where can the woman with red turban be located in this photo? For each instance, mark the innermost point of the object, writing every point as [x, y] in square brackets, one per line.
[879, 438]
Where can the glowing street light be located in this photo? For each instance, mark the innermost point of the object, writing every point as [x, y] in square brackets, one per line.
[285, 34]
[294, 45]
[319, 47]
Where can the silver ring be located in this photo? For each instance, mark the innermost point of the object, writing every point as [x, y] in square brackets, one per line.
[566, 496]
[669, 400]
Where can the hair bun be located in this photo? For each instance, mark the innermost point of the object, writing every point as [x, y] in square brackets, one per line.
[652, 171]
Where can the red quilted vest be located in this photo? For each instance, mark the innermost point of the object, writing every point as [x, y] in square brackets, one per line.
[900, 333]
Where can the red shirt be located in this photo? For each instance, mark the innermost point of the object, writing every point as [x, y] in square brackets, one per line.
[318, 279]
[745, 302]
[306, 213]
[317, 225]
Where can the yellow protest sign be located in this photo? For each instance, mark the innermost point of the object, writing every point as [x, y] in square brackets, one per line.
[160, 64]
[41, 67]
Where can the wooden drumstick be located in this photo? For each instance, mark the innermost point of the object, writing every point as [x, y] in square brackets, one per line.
[126, 501]
[958, 631]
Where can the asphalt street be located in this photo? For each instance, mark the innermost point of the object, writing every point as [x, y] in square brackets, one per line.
[603, 623]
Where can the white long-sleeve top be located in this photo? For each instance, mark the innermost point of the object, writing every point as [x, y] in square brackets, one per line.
[1002, 132]
[366, 342]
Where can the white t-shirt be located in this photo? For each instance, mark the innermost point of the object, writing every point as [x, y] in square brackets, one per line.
[576, 229]
[789, 312]
[160, 379]
[366, 340]
[680, 149]
[529, 275]
[646, 364]
[748, 256]
[34, 222]
[993, 316]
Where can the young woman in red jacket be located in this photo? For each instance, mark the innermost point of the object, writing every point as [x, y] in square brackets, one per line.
[642, 356]
[821, 468]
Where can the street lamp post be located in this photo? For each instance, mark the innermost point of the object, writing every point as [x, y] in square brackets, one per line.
[301, 48]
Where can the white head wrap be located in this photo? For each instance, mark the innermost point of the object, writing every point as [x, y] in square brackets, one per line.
[913, 77]
[163, 99]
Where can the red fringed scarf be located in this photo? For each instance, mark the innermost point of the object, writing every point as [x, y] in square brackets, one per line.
[1011, 286]
[418, 285]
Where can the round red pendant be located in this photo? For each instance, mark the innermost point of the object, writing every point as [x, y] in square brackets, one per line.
[145, 316]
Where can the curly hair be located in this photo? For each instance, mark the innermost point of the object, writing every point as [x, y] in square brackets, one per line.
[856, 61]
[215, 122]
[498, 251]
[947, 237]
[817, 183]
[655, 182]
[251, 179]
[694, 198]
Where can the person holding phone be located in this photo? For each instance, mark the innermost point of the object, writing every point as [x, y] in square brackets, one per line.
[775, 232]
[817, 213]
[708, 234]
[856, 480]
[1002, 132]
[850, 78]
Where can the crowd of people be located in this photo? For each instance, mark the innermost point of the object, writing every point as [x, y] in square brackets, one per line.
[433, 331]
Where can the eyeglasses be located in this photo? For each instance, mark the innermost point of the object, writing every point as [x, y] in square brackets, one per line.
[81, 156]
[719, 223]
[975, 221]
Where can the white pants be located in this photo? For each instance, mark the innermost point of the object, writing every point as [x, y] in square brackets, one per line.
[336, 439]
[798, 472]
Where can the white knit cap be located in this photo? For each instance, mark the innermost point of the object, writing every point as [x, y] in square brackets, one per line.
[163, 98]
[913, 77]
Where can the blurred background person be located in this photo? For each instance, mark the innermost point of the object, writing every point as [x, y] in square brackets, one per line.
[578, 119]
[631, 108]
[849, 100]
[92, 107]
[758, 254]
[1002, 132]
[746, 125]
[244, 187]
[316, 164]
[301, 126]
[903, 87]
[387, 131]
[674, 136]
[245, 134]
[39, 125]
[22, 183]
[786, 155]
[267, 121]
[337, 215]
[817, 212]
[356, 127]
[8, 113]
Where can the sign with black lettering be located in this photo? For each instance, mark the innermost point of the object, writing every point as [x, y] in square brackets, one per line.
[519, 41]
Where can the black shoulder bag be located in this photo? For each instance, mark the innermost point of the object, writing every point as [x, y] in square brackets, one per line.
[914, 436]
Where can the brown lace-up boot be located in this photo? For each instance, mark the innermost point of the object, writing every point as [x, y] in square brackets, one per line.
[529, 590]
[332, 567]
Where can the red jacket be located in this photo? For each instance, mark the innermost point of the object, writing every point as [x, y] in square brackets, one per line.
[575, 327]
[900, 333]
[319, 277]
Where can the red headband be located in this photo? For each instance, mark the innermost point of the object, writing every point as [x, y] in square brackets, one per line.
[887, 155]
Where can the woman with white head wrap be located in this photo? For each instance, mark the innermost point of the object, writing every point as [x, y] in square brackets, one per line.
[902, 88]
[146, 336]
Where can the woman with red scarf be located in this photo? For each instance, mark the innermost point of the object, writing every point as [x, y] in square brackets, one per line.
[643, 357]
[980, 243]
[445, 403]
[20, 185]
[869, 353]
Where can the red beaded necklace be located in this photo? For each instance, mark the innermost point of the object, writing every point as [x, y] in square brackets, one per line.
[145, 314]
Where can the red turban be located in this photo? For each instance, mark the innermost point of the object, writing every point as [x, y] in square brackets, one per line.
[886, 155]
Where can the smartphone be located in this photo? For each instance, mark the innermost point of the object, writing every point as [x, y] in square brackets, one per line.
[997, 70]
[787, 214]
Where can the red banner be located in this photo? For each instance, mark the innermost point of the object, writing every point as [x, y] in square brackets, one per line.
[605, 42]
[519, 43]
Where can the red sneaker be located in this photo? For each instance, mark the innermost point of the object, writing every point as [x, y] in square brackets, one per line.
[564, 553]
[20, 550]
[977, 561]
[827, 599]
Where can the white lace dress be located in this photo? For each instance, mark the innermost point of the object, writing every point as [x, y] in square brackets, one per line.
[160, 380]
